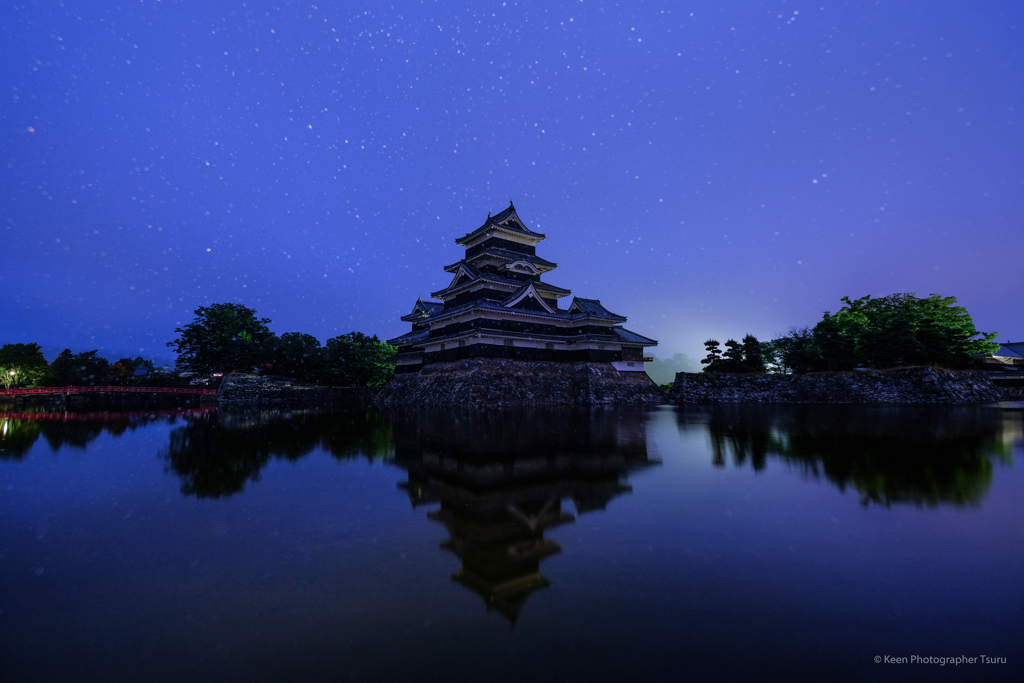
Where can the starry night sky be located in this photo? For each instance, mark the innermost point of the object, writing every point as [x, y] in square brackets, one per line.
[705, 168]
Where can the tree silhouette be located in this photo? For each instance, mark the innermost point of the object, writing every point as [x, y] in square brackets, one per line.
[223, 338]
[714, 358]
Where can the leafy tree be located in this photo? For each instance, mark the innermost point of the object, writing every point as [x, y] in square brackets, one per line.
[92, 368]
[223, 338]
[753, 355]
[774, 357]
[62, 371]
[732, 359]
[890, 331]
[904, 329]
[123, 370]
[834, 344]
[748, 356]
[21, 364]
[377, 362]
[299, 355]
[714, 358]
[79, 369]
[797, 351]
[355, 359]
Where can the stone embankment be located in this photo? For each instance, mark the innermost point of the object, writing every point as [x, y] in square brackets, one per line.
[496, 382]
[256, 390]
[1012, 386]
[1013, 393]
[900, 385]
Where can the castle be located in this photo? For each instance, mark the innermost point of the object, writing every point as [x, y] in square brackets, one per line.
[497, 306]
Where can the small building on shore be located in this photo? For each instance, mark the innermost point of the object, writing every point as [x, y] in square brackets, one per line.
[498, 306]
[1009, 357]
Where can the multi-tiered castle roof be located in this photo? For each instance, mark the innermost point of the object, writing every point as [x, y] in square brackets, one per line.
[497, 306]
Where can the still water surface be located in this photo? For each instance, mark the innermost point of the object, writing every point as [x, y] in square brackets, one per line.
[727, 543]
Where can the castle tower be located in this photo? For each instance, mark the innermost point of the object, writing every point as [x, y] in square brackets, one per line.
[498, 306]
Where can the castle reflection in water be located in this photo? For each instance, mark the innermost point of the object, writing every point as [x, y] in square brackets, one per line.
[501, 477]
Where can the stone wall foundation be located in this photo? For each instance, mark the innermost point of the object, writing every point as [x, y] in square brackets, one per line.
[493, 381]
[899, 385]
[260, 391]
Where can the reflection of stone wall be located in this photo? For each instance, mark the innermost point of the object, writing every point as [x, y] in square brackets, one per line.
[521, 434]
[901, 385]
[261, 391]
[492, 381]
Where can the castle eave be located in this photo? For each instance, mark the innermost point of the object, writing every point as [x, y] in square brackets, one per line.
[501, 283]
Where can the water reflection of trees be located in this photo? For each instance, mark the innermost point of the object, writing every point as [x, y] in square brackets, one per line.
[500, 478]
[217, 454]
[922, 455]
[21, 429]
[17, 438]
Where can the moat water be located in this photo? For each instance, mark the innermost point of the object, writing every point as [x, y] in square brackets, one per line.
[714, 543]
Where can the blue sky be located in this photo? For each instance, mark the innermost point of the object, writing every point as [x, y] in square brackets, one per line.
[708, 169]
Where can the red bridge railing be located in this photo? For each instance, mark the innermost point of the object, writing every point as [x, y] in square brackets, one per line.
[105, 417]
[116, 390]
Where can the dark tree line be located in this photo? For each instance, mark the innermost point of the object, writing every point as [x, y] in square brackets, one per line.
[745, 356]
[230, 338]
[891, 331]
[222, 338]
[23, 365]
